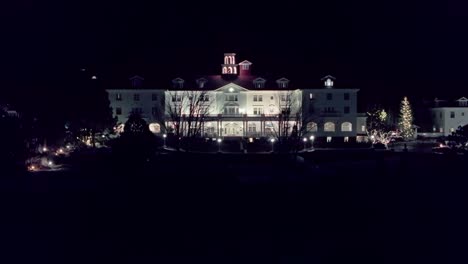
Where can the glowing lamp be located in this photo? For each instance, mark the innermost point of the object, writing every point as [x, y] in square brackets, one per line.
[231, 89]
[272, 140]
[219, 140]
[304, 139]
[44, 149]
[312, 137]
[164, 135]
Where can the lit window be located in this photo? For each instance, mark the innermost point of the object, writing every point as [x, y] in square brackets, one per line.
[452, 129]
[231, 97]
[136, 97]
[311, 127]
[252, 128]
[118, 111]
[346, 127]
[311, 96]
[363, 128]
[329, 127]
[118, 97]
[258, 111]
[155, 128]
[329, 139]
[441, 129]
[346, 139]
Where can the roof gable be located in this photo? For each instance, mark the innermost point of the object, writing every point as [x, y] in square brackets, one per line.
[226, 88]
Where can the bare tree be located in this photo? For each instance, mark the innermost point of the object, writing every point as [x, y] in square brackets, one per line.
[187, 111]
[287, 119]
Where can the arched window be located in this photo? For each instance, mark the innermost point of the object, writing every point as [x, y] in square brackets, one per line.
[229, 70]
[226, 60]
[329, 127]
[235, 70]
[311, 127]
[346, 127]
[155, 128]
[224, 70]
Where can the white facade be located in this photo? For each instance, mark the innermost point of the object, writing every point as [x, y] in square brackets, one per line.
[447, 119]
[237, 104]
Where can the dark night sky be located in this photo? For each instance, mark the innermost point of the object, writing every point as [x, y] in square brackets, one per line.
[386, 48]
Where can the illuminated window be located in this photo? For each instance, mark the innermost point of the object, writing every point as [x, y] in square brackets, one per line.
[118, 97]
[136, 97]
[441, 130]
[329, 127]
[311, 96]
[346, 139]
[363, 128]
[346, 127]
[252, 128]
[258, 111]
[311, 127]
[231, 110]
[231, 98]
[329, 139]
[452, 129]
[155, 128]
[118, 111]
[285, 97]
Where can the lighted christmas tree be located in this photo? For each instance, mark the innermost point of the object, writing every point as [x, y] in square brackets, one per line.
[406, 119]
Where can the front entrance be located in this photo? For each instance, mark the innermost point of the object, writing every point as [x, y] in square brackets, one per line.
[233, 129]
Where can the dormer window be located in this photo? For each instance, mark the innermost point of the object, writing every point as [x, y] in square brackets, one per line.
[178, 83]
[259, 83]
[462, 101]
[201, 83]
[136, 81]
[328, 81]
[282, 83]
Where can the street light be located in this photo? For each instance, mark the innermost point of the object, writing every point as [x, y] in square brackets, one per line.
[305, 142]
[219, 144]
[272, 144]
[312, 138]
[164, 138]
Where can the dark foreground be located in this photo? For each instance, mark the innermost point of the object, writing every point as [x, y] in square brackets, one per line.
[239, 209]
